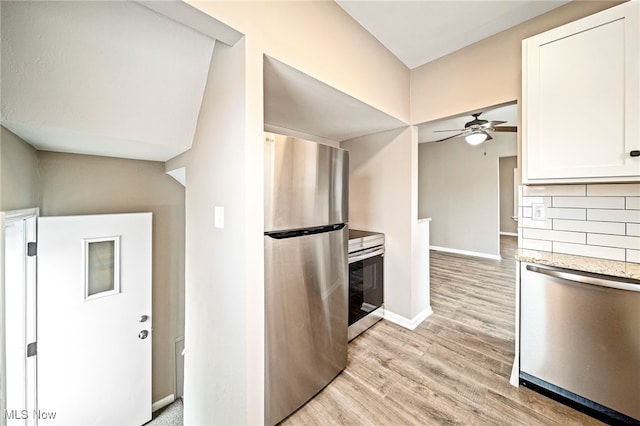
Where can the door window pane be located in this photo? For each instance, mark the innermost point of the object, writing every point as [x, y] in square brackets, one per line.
[101, 263]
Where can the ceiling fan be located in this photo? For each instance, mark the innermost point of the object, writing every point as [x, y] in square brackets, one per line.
[477, 130]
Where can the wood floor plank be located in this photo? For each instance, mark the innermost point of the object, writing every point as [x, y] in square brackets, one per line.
[452, 369]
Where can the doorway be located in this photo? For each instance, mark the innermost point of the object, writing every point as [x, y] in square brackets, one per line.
[89, 343]
[458, 182]
[507, 172]
[473, 268]
[508, 210]
[18, 303]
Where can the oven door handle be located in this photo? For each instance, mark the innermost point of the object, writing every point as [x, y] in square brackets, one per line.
[365, 254]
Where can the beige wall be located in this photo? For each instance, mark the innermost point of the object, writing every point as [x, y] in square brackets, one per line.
[73, 184]
[218, 335]
[18, 171]
[458, 188]
[320, 39]
[382, 199]
[486, 73]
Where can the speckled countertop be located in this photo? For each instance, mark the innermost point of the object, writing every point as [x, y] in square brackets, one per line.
[581, 263]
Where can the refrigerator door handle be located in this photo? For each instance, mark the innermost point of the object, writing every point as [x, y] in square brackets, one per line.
[613, 282]
[279, 235]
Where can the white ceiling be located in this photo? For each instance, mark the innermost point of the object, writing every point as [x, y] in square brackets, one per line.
[420, 31]
[508, 113]
[102, 78]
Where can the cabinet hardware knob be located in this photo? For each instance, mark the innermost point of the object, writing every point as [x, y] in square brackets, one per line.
[635, 153]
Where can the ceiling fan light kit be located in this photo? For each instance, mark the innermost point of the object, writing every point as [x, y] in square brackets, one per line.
[476, 137]
[477, 130]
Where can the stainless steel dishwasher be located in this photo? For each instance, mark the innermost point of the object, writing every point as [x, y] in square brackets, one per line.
[580, 340]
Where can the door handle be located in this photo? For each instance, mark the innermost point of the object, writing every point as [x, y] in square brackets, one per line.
[143, 334]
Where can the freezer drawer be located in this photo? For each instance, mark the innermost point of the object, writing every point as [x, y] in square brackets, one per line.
[306, 318]
[581, 332]
[306, 184]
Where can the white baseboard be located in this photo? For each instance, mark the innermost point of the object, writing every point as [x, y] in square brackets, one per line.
[162, 402]
[515, 370]
[509, 234]
[411, 324]
[466, 253]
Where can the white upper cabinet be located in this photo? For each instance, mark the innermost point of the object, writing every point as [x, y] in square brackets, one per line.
[581, 95]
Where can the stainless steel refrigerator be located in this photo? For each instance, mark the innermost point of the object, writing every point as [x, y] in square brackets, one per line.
[306, 280]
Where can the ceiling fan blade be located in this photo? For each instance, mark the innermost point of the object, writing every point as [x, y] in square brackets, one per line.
[492, 124]
[505, 129]
[451, 130]
[450, 137]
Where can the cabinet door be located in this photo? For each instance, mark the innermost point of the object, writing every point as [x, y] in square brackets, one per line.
[581, 89]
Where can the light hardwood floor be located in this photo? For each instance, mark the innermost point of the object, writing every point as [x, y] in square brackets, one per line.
[453, 369]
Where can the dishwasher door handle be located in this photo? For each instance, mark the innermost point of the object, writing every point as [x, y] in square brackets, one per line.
[616, 283]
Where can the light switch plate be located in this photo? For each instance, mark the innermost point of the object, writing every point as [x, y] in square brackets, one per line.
[218, 221]
[538, 211]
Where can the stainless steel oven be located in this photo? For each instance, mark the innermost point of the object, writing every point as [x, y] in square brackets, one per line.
[366, 276]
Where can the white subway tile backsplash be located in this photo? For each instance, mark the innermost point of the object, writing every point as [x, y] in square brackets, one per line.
[528, 201]
[564, 236]
[632, 216]
[555, 190]
[613, 189]
[536, 245]
[527, 222]
[560, 213]
[590, 251]
[589, 202]
[614, 241]
[596, 220]
[616, 228]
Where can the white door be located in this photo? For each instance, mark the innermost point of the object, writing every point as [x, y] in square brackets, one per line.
[94, 319]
